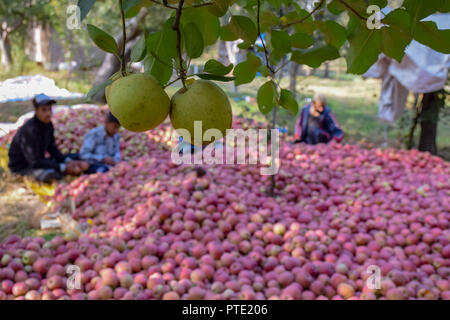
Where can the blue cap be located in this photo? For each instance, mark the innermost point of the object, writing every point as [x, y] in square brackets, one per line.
[42, 99]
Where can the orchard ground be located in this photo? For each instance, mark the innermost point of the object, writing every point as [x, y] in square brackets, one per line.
[151, 228]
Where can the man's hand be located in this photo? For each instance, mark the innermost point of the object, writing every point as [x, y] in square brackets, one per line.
[109, 161]
[83, 165]
[72, 168]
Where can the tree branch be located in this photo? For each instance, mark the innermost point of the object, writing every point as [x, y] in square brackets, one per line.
[124, 37]
[201, 5]
[352, 10]
[171, 82]
[266, 53]
[176, 27]
[305, 17]
[14, 28]
[164, 4]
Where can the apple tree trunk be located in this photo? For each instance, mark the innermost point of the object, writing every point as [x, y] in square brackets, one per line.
[5, 51]
[429, 117]
[326, 73]
[293, 71]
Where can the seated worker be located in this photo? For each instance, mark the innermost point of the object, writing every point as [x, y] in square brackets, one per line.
[316, 124]
[27, 153]
[101, 146]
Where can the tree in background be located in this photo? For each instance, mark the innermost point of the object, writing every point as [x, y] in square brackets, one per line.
[14, 16]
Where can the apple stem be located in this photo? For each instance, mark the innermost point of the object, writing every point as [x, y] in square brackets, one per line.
[124, 40]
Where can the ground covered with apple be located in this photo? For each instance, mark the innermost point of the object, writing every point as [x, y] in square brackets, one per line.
[162, 231]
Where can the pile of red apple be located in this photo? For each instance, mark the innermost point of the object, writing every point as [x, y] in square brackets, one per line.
[72, 124]
[161, 231]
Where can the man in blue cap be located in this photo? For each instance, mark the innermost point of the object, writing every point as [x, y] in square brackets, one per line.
[27, 153]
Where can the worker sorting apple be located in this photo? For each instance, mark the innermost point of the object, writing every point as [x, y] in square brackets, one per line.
[316, 123]
[33, 151]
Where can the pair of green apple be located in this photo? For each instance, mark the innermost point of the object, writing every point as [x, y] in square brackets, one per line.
[140, 104]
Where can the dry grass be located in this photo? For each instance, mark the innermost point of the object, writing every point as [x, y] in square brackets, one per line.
[20, 207]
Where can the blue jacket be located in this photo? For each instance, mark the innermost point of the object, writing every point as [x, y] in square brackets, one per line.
[328, 125]
[98, 145]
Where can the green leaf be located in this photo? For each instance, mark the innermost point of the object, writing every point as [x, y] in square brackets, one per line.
[353, 24]
[380, 3]
[98, 88]
[334, 33]
[263, 70]
[227, 34]
[193, 40]
[208, 76]
[244, 45]
[139, 50]
[445, 8]
[275, 3]
[398, 17]
[215, 67]
[219, 7]
[315, 57]
[85, 7]
[365, 46]
[267, 19]
[207, 23]
[132, 12]
[128, 4]
[307, 26]
[287, 101]
[244, 28]
[395, 41]
[281, 41]
[158, 69]
[419, 9]
[154, 42]
[335, 7]
[301, 40]
[267, 97]
[276, 56]
[163, 44]
[427, 33]
[245, 71]
[360, 6]
[103, 40]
